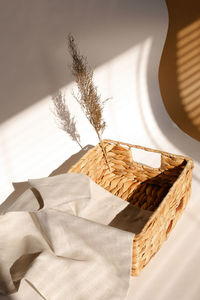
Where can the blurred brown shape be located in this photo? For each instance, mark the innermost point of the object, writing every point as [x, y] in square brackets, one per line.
[179, 73]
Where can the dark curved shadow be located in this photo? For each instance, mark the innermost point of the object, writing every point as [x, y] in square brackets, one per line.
[180, 64]
[186, 144]
[2, 297]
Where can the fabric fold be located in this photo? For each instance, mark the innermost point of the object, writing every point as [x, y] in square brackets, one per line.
[65, 248]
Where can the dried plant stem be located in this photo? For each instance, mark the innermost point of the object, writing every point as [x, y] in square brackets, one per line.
[87, 95]
[79, 144]
[63, 116]
[103, 149]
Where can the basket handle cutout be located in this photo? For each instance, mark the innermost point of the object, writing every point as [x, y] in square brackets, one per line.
[150, 159]
[169, 227]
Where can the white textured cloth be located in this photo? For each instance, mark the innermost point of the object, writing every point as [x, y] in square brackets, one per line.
[55, 238]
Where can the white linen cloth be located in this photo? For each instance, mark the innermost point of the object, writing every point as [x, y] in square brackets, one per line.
[55, 237]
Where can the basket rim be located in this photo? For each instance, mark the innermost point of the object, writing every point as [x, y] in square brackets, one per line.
[147, 149]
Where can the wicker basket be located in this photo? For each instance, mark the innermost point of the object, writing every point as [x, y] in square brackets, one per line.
[164, 190]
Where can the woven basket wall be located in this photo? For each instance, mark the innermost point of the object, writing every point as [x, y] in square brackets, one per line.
[165, 190]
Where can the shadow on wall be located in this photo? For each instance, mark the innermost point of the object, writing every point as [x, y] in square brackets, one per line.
[33, 50]
[64, 168]
[33, 36]
[179, 73]
[2, 297]
[21, 187]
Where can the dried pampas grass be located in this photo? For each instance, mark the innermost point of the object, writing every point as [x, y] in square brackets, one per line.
[87, 95]
[64, 119]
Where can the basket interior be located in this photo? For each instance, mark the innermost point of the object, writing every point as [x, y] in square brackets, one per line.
[141, 185]
[150, 193]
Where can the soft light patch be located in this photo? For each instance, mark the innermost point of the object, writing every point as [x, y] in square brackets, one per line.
[150, 159]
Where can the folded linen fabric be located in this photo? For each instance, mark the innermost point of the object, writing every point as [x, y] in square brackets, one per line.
[56, 237]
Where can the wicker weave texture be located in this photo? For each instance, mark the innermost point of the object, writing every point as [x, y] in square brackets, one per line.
[165, 190]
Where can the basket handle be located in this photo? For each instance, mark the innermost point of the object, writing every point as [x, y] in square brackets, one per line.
[150, 159]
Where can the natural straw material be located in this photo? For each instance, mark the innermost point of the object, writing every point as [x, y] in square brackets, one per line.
[165, 190]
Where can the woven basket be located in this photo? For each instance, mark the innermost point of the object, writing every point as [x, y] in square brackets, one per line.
[165, 191]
